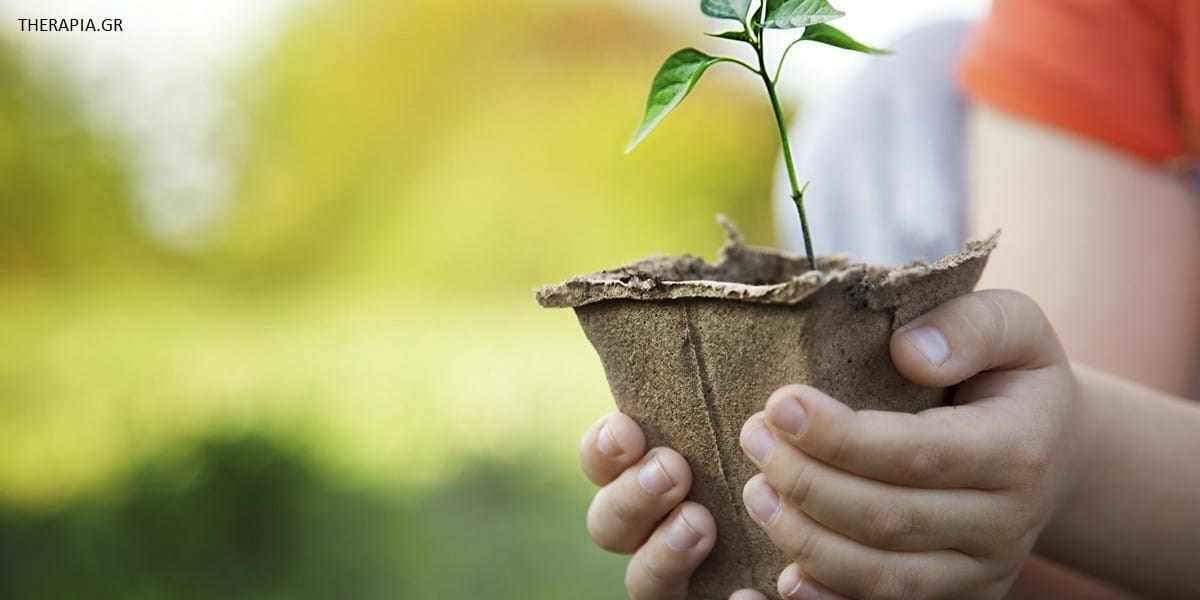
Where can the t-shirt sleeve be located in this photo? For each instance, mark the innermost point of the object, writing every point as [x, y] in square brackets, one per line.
[1121, 72]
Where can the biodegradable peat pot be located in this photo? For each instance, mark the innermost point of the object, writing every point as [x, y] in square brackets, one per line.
[691, 350]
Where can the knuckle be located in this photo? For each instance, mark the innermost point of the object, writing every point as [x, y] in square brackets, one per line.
[1013, 298]
[802, 483]
[1033, 461]
[622, 508]
[891, 582]
[644, 575]
[633, 585]
[609, 525]
[988, 320]
[604, 538]
[839, 450]
[1025, 530]
[926, 463]
[889, 525]
[1007, 526]
[616, 545]
[1010, 321]
[806, 548]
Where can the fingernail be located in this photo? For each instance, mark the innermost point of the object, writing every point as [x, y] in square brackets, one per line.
[789, 416]
[797, 587]
[762, 501]
[930, 343]
[758, 444]
[607, 443]
[680, 536]
[654, 478]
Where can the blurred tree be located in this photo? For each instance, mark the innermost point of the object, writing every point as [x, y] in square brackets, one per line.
[237, 516]
[450, 142]
[63, 190]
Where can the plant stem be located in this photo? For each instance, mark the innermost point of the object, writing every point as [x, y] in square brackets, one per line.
[797, 191]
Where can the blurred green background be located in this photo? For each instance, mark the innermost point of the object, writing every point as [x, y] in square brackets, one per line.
[348, 391]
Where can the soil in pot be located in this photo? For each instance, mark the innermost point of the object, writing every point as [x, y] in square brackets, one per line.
[692, 349]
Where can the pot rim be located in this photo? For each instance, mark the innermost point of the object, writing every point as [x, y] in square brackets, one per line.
[662, 277]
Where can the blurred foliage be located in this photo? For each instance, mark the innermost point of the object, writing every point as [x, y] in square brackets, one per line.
[480, 144]
[249, 517]
[410, 170]
[64, 204]
[98, 376]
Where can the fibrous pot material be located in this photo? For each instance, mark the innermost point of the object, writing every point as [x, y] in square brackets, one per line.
[692, 349]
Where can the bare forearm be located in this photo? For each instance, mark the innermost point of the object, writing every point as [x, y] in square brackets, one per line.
[1133, 515]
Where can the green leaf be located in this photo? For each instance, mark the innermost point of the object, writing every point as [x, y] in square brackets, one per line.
[726, 9]
[671, 85]
[790, 14]
[828, 34]
[737, 35]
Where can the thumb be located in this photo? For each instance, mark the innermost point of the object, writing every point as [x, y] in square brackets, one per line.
[982, 331]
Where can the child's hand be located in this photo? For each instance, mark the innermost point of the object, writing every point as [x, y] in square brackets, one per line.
[640, 510]
[947, 503]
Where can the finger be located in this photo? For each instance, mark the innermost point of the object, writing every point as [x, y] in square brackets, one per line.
[876, 514]
[946, 447]
[661, 568]
[626, 511]
[609, 446]
[747, 595]
[848, 567]
[795, 585]
[993, 329]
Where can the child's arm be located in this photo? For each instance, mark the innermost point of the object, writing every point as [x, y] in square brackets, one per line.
[1133, 516]
[1108, 246]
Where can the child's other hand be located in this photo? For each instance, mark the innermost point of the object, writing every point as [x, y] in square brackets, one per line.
[945, 503]
[640, 510]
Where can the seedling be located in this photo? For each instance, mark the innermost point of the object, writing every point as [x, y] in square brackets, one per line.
[681, 71]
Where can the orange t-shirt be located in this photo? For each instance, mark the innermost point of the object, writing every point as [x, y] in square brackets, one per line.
[1123, 72]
